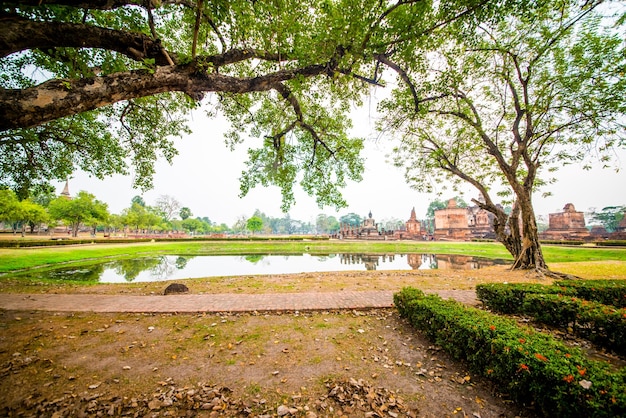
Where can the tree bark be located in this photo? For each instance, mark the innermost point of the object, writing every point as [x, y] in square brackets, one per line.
[19, 34]
[23, 108]
[530, 255]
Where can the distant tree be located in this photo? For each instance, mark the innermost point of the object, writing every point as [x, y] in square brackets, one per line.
[175, 225]
[32, 214]
[439, 204]
[192, 225]
[167, 206]
[139, 200]
[9, 207]
[140, 218]
[221, 228]
[185, 213]
[609, 217]
[254, 224]
[240, 225]
[206, 220]
[326, 224]
[114, 223]
[333, 225]
[81, 210]
[434, 205]
[392, 224]
[351, 219]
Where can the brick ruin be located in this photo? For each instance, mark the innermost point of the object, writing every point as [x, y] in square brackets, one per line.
[463, 224]
[566, 225]
[455, 223]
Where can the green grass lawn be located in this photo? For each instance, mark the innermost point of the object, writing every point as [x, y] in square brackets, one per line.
[23, 258]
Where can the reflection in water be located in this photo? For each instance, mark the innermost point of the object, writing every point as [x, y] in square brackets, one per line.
[253, 258]
[150, 269]
[421, 261]
[130, 269]
[76, 274]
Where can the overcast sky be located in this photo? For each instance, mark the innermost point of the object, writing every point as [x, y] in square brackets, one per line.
[205, 178]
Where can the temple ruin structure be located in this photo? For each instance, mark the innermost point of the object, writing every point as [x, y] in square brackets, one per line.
[462, 224]
[566, 225]
[413, 227]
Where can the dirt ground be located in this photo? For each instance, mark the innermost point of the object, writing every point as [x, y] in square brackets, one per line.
[305, 364]
[73, 364]
[332, 363]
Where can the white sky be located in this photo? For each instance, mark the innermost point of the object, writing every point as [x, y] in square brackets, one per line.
[205, 178]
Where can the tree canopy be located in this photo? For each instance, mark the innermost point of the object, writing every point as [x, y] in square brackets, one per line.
[503, 109]
[105, 86]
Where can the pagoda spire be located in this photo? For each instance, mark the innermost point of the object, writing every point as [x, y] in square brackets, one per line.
[66, 190]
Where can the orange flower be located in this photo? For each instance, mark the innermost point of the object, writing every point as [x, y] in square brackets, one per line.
[541, 357]
[569, 378]
[522, 340]
[492, 327]
[568, 355]
[489, 371]
[581, 371]
[523, 367]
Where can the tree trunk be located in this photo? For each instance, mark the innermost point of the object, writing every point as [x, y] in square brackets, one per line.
[530, 255]
[522, 243]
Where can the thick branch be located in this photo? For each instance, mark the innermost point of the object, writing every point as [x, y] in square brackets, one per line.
[19, 34]
[94, 4]
[293, 101]
[59, 98]
[403, 75]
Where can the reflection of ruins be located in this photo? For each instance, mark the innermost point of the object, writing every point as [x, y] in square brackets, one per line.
[370, 261]
[420, 261]
[568, 224]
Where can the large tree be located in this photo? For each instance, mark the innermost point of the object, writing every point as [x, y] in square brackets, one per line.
[96, 84]
[511, 103]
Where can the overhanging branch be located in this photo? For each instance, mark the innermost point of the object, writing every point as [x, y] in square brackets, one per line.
[59, 98]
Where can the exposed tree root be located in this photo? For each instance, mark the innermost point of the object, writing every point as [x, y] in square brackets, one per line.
[544, 272]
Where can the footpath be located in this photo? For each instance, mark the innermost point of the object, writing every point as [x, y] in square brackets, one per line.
[212, 303]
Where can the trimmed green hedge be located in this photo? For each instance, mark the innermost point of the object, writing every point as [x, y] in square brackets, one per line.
[53, 242]
[562, 242]
[509, 298]
[602, 324]
[608, 292]
[611, 243]
[533, 368]
[563, 307]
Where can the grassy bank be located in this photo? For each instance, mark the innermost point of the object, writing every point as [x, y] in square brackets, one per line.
[24, 258]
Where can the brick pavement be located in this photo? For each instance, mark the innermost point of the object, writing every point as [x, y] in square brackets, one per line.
[227, 302]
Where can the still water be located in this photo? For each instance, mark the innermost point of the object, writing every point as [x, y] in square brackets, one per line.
[173, 267]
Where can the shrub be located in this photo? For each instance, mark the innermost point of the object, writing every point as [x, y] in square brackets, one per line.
[532, 367]
[508, 298]
[608, 292]
[604, 325]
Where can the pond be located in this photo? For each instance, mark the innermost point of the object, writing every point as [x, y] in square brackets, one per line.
[177, 267]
